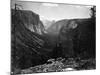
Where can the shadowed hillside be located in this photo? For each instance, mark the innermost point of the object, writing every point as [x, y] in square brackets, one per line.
[77, 36]
[26, 43]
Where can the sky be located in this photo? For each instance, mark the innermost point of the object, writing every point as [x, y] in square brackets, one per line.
[53, 11]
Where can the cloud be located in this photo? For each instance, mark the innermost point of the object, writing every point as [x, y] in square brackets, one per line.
[50, 4]
[79, 6]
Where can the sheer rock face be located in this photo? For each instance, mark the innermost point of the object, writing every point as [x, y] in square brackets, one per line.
[30, 20]
[26, 42]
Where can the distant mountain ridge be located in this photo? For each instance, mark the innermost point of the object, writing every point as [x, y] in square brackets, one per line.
[47, 23]
[55, 27]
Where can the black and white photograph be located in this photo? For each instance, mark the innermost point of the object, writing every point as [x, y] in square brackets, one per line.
[52, 37]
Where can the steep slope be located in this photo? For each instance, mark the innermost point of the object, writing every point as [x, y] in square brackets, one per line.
[26, 45]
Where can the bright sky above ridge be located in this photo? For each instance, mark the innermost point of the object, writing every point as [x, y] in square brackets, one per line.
[52, 11]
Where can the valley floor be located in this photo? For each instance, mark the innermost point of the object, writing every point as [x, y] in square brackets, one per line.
[62, 65]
